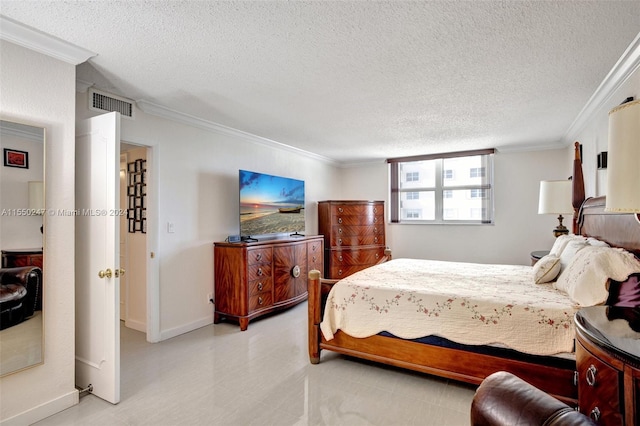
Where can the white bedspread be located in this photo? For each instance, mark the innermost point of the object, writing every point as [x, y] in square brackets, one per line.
[467, 303]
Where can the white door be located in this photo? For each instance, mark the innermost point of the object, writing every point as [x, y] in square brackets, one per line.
[97, 260]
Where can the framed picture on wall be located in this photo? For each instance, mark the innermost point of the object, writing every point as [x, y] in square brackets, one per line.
[15, 158]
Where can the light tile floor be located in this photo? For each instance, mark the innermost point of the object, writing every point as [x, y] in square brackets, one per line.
[217, 375]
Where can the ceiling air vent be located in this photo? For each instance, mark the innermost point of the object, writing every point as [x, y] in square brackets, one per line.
[100, 101]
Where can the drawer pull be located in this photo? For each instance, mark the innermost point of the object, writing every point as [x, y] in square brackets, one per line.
[258, 256]
[260, 300]
[260, 273]
[375, 210]
[375, 230]
[340, 209]
[314, 248]
[340, 258]
[339, 230]
[595, 414]
[260, 286]
[339, 220]
[375, 239]
[339, 241]
[591, 375]
[375, 220]
[377, 255]
[295, 271]
[340, 272]
[313, 259]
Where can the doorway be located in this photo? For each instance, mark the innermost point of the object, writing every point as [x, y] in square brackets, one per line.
[133, 236]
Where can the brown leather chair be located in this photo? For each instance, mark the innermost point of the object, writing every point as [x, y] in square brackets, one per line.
[20, 289]
[503, 399]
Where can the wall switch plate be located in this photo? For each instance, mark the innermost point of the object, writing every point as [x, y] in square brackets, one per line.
[171, 227]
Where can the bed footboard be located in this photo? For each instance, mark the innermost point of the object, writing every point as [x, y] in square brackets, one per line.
[318, 289]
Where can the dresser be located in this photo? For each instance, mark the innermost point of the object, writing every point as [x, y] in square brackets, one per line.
[22, 257]
[608, 364]
[354, 236]
[255, 278]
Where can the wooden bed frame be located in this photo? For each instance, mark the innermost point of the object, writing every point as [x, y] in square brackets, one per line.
[619, 230]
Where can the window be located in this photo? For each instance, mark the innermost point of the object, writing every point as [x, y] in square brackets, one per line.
[413, 177]
[445, 188]
[478, 193]
[413, 195]
[475, 172]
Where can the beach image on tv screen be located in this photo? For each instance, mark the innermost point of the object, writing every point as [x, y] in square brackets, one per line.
[270, 204]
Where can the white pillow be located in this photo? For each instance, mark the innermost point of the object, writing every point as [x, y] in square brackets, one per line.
[571, 249]
[546, 269]
[561, 242]
[596, 242]
[585, 279]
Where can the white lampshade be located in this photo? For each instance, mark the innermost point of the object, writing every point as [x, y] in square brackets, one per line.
[555, 197]
[623, 169]
[36, 195]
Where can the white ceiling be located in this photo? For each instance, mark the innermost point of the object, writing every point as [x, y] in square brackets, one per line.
[353, 80]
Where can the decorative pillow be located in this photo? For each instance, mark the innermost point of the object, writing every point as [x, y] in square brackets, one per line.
[546, 269]
[571, 249]
[585, 279]
[561, 242]
[625, 293]
[596, 242]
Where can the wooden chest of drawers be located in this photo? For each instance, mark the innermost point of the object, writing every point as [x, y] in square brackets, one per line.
[253, 279]
[608, 364]
[354, 235]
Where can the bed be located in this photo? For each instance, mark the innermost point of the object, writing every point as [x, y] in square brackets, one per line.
[470, 355]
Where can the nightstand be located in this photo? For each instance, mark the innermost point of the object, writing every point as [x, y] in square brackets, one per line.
[536, 255]
[608, 364]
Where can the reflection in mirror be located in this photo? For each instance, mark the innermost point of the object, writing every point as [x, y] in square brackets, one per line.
[21, 242]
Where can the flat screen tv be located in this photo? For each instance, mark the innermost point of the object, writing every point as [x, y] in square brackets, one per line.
[270, 205]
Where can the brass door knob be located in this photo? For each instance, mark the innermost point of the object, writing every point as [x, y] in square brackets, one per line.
[106, 273]
[119, 272]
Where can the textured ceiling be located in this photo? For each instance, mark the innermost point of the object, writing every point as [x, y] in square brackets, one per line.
[353, 80]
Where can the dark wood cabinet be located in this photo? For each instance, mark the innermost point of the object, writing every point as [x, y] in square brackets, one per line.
[354, 235]
[253, 279]
[23, 257]
[608, 364]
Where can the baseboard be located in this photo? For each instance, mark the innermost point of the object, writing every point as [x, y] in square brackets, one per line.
[43, 411]
[173, 332]
[136, 325]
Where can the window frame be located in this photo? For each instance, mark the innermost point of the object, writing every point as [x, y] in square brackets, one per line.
[487, 187]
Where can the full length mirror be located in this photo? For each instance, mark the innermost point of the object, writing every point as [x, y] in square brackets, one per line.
[21, 242]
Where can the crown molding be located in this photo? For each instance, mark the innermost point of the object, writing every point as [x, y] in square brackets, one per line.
[619, 74]
[82, 86]
[31, 38]
[528, 148]
[22, 131]
[181, 117]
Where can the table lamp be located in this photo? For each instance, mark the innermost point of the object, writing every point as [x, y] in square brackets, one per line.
[623, 169]
[555, 198]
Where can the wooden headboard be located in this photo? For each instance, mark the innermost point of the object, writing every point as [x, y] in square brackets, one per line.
[616, 229]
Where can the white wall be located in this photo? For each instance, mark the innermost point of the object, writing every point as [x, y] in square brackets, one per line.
[196, 177]
[518, 228]
[39, 90]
